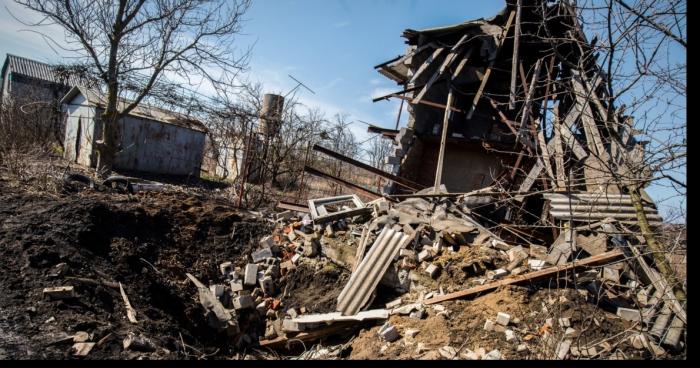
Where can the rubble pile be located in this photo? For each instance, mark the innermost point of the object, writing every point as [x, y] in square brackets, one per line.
[409, 261]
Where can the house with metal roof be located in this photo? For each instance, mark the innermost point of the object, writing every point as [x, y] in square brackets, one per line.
[30, 80]
[152, 140]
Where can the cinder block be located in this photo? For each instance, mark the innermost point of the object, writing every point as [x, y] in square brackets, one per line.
[503, 318]
[251, 274]
[261, 254]
[243, 302]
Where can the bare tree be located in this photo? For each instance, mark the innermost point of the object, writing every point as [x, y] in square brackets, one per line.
[133, 44]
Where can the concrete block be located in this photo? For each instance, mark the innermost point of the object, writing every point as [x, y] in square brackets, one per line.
[521, 348]
[417, 314]
[243, 302]
[217, 290]
[538, 252]
[510, 335]
[448, 352]
[393, 303]
[251, 274]
[226, 268]
[470, 355]
[425, 255]
[267, 242]
[260, 254]
[489, 325]
[289, 326]
[570, 332]
[432, 270]
[497, 274]
[267, 285]
[629, 314]
[407, 253]
[562, 349]
[59, 292]
[236, 285]
[503, 318]
[493, 355]
[611, 275]
[564, 322]
[412, 332]
[388, 332]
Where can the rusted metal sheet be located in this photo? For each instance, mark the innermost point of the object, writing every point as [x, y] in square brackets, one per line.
[364, 280]
[595, 207]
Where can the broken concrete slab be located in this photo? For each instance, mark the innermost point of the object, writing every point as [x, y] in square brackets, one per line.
[388, 332]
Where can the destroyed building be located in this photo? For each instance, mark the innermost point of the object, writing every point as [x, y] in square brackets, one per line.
[153, 140]
[510, 230]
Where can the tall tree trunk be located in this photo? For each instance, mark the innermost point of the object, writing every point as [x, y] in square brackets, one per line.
[658, 252]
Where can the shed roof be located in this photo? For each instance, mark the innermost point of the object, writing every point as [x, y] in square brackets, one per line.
[35, 69]
[98, 99]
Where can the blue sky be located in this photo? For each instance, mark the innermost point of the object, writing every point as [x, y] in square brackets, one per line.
[331, 46]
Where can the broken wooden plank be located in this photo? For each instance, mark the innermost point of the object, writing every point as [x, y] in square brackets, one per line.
[567, 136]
[427, 103]
[342, 182]
[426, 64]
[396, 179]
[509, 123]
[304, 337]
[590, 128]
[525, 117]
[607, 257]
[292, 206]
[542, 127]
[558, 151]
[443, 139]
[485, 78]
[130, 311]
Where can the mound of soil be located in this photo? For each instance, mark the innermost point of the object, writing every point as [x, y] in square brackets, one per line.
[145, 242]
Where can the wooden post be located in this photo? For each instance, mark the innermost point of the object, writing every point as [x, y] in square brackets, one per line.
[441, 155]
[516, 44]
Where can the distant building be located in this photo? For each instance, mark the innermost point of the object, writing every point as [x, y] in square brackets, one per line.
[153, 140]
[29, 80]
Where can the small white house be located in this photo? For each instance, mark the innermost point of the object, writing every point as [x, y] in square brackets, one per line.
[153, 140]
